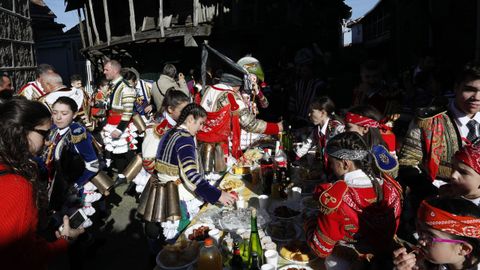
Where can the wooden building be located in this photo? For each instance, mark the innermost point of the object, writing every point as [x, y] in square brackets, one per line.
[148, 33]
[17, 56]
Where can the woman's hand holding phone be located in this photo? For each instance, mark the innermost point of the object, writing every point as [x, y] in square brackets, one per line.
[68, 233]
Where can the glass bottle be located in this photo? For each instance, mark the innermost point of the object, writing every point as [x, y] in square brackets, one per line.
[236, 263]
[266, 171]
[210, 257]
[255, 246]
[255, 262]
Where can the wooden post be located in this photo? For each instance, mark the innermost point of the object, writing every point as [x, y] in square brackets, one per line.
[80, 24]
[160, 18]
[107, 22]
[133, 28]
[95, 30]
[89, 31]
[196, 5]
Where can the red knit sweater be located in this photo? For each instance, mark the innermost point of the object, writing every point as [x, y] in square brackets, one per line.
[20, 247]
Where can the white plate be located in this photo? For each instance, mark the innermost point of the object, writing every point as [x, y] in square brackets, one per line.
[298, 266]
[189, 230]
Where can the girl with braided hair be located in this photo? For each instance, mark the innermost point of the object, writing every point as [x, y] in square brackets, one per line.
[359, 213]
[177, 162]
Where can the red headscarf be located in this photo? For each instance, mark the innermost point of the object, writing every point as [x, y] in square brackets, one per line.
[444, 221]
[470, 155]
[364, 121]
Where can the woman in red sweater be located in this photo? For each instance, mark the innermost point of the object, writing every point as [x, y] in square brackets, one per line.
[24, 125]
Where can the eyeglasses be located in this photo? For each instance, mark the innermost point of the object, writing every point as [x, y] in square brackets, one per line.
[43, 132]
[428, 239]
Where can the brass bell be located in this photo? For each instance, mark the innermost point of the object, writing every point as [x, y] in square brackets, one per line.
[220, 165]
[139, 123]
[173, 202]
[144, 197]
[159, 208]
[207, 152]
[103, 182]
[133, 168]
[150, 202]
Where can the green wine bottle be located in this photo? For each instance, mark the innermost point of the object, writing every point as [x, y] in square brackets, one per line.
[255, 245]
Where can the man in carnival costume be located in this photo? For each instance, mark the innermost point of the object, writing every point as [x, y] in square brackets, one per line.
[437, 133]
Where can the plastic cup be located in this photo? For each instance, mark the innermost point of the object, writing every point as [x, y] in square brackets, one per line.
[271, 257]
[263, 201]
[296, 193]
[215, 234]
[268, 267]
[240, 203]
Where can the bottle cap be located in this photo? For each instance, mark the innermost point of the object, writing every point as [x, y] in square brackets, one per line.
[209, 242]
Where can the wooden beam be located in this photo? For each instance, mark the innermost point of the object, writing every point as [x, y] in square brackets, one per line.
[160, 18]
[107, 22]
[80, 25]
[196, 7]
[95, 30]
[89, 30]
[133, 28]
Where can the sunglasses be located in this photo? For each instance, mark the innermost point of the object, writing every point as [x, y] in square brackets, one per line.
[42, 132]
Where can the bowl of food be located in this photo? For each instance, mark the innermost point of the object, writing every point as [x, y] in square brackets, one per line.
[179, 256]
[283, 231]
[285, 212]
[198, 232]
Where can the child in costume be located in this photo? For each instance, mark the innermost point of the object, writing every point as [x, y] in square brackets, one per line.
[449, 237]
[360, 212]
[465, 179]
[178, 186]
[322, 115]
[72, 162]
[172, 106]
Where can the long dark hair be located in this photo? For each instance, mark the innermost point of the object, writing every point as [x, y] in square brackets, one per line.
[353, 141]
[461, 207]
[173, 98]
[18, 117]
[373, 136]
[193, 109]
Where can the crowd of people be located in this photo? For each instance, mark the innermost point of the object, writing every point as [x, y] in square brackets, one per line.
[402, 178]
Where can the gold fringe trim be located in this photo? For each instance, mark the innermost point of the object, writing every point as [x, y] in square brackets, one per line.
[425, 123]
[165, 168]
[78, 138]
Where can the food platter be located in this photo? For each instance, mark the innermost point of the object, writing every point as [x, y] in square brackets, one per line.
[198, 231]
[295, 267]
[232, 184]
[297, 252]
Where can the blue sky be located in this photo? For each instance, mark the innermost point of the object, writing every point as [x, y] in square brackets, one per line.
[359, 8]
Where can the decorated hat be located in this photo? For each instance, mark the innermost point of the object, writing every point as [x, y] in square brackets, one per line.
[231, 80]
[252, 65]
[383, 159]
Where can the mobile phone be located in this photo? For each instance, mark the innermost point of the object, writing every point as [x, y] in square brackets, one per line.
[76, 219]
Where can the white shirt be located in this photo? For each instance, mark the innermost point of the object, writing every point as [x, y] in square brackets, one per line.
[358, 179]
[461, 119]
[475, 201]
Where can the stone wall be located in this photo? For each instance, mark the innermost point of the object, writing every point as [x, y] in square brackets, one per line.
[16, 42]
